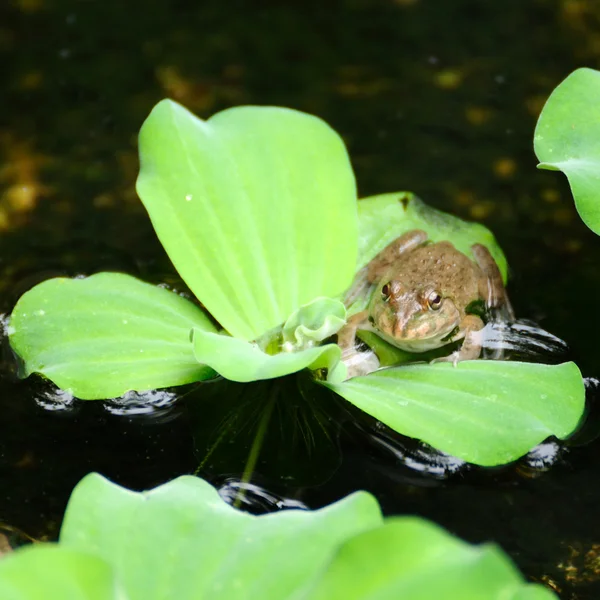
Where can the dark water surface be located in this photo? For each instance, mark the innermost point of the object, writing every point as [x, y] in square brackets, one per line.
[439, 97]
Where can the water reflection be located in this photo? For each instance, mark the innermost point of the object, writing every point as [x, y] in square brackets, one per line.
[255, 499]
[401, 458]
[522, 340]
[54, 399]
[541, 458]
[284, 430]
[156, 404]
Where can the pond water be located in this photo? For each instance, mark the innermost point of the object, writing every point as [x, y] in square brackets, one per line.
[432, 96]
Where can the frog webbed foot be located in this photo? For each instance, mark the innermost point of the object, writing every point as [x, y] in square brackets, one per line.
[360, 363]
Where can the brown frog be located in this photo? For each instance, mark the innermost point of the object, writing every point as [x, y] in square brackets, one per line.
[422, 295]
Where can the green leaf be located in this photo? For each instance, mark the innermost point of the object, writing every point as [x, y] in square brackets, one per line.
[182, 541]
[411, 558]
[314, 322]
[242, 361]
[382, 219]
[567, 139]
[256, 207]
[104, 335]
[387, 354]
[49, 572]
[484, 412]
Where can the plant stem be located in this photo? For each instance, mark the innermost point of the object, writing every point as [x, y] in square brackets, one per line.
[256, 446]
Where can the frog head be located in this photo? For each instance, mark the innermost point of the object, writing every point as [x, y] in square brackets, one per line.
[415, 318]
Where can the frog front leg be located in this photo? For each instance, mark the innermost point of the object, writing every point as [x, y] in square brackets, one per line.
[346, 336]
[470, 348]
[357, 363]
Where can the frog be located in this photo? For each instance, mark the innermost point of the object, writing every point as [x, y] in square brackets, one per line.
[423, 298]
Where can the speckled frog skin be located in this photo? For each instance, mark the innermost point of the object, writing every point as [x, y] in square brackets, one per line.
[422, 295]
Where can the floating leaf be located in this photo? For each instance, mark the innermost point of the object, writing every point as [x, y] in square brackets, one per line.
[104, 335]
[484, 412]
[387, 354]
[256, 208]
[242, 361]
[182, 541]
[382, 219]
[411, 558]
[567, 139]
[49, 572]
[314, 322]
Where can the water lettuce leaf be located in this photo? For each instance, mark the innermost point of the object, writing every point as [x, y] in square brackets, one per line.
[412, 558]
[484, 412]
[383, 218]
[256, 208]
[104, 335]
[567, 139]
[181, 541]
[49, 572]
[314, 322]
[242, 361]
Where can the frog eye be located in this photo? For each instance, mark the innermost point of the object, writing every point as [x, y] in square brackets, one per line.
[434, 301]
[386, 292]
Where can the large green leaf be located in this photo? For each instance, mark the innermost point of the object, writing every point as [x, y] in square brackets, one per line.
[484, 412]
[383, 218]
[48, 572]
[104, 335]
[567, 139]
[413, 559]
[256, 208]
[182, 541]
[242, 361]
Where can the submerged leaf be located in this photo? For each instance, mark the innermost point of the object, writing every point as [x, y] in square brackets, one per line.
[567, 139]
[104, 335]
[484, 412]
[256, 207]
[383, 218]
[242, 361]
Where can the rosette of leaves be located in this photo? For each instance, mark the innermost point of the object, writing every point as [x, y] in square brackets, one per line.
[257, 209]
[180, 541]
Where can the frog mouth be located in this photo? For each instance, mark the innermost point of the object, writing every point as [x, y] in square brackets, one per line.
[447, 339]
[422, 337]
